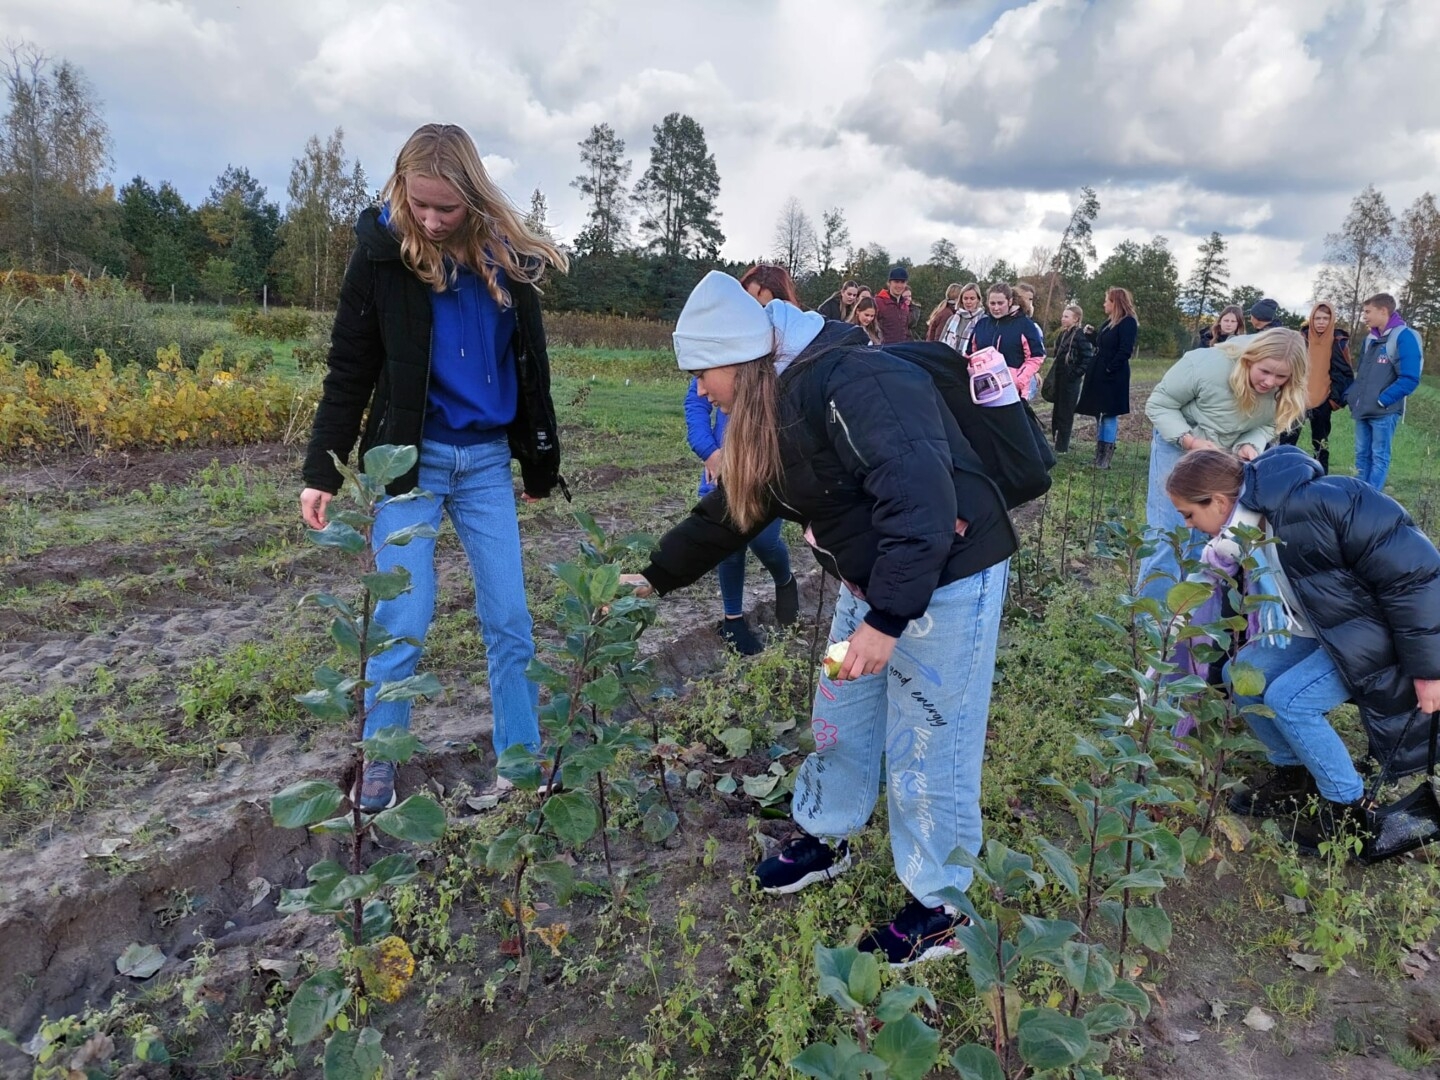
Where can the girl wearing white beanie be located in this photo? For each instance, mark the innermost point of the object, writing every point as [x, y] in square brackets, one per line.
[857, 446]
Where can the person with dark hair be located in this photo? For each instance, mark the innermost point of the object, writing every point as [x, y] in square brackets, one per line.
[438, 343]
[1073, 352]
[1264, 314]
[1106, 394]
[1006, 327]
[1349, 610]
[766, 282]
[1328, 380]
[1388, 372]
[858, 447]
[841, 302]
[892, 307]
[1230, 322]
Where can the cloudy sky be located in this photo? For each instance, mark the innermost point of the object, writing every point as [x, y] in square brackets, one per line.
[974, 120]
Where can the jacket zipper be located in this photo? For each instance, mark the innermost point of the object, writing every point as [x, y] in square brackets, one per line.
[835, 416]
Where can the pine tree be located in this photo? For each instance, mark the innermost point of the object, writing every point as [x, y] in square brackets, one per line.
[1420, 242]
[537, 220]
[834, 237]
[1208, 281]
[1077, 246]
[604, 182]
[1360, 258]
[678, 192]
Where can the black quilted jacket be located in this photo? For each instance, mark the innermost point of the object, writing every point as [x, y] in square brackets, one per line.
[874, 463]
[380, 361]
[1369, 583]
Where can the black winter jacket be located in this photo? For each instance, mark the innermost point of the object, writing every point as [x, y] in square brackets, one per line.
[380, 361]
[874, 463]
[1107, 382]
[1368, 581]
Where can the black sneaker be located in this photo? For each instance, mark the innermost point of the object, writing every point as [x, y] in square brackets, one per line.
[377, 789]
[1287, 790]
[803, 861]
[740, 637]
[787, 602]
[917, 934]
[1332, 821]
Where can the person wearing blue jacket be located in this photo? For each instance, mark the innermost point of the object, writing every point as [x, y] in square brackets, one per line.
[1391, 359]
[705, 431]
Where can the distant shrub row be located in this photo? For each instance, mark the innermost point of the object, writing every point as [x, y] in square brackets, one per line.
[69, 406]
[100, 314]
[24, 283]
[583, 330]
[281, 324]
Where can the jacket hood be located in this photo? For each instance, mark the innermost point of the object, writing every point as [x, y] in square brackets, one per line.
[794, 330]
[1271, 479]
[832, 335]
[373, 231]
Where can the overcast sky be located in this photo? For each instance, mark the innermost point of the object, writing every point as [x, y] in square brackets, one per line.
[974, 120]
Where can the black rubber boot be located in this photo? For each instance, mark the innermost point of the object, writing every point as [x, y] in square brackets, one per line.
[787, 602]
[740, 637]
[1334, 821]
[1287, 790]
[1104, 453]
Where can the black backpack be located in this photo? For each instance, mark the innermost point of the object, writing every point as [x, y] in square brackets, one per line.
[1008, 439]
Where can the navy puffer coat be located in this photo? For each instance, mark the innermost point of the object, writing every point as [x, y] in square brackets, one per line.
[1369, 582]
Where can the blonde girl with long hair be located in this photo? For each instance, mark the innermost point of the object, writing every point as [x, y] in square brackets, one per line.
[1232, 397]
[438, 343]
[853, 445]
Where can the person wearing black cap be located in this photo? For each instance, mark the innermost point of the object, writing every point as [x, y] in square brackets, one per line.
[892, 307]
[1265, 314]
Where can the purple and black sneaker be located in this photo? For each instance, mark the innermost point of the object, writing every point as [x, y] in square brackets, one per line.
[803, 861]
[918, 934]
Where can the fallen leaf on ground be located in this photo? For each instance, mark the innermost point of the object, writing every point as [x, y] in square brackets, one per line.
[510, 947]
[1414, 965]
[1218, 1010]
[1258, 1019]
[286, 969]
[106, 847]
[483, 802]
[1307, 961]
[233, 748]
[259, 890]
[140, 961]
[1295, 906]
[1187, 1036]
[1234, 830]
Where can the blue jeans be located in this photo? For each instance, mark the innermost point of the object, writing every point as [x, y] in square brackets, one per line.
[1159, 571]
[472, 485]
[926, 718]
[1301, 686]
[1107, 428]
[773, 555]
[1372, 448]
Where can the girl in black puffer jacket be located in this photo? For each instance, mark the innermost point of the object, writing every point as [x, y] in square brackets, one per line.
[1360, 588]
[857, 446]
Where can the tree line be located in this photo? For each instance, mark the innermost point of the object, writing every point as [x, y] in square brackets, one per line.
[641, 249]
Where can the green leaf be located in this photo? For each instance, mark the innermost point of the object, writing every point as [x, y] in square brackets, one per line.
[150, 1047]
[605, 693]
[864, 981]
[737, 741]
[833, 966]
[1106, 1019]
[899, 1000]
[1086, 968]
[350, 887]
[346, 636]
[353, 1055]
[376, 922]
[559, 875]
[573, 816]
[418, 531]
[757, 787]
[975, 1062]
[337, 534]
[418, 819]
[1246, 679]
[387, 584]
[821, 1061]
[388, 463]
[343, 825]
[1044, 939]
[658, 823]
[503, 852]
[1127, 993]
[518, 765]
[305, 803]
[318, 1001]
[1061, 865]
[1139, 879]
[391, 744]
[394, 869]
[1150, 926]
[726, 785]
[909, 1046]
[1052, 1040]
[326, 704]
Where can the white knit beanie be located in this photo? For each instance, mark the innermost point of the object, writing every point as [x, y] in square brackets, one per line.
[721, 324]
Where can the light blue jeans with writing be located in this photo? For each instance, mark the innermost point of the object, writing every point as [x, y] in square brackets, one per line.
[1301, 687]
[472, 485]
[1159, 571]
[926, 718]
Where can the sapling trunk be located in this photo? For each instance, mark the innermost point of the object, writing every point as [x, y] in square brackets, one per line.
[357, 906]
[655, 753]
[604, 826]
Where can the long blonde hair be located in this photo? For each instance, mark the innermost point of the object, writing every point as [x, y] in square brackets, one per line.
[492, 236]
[750, 464]
[1283, 346]
[952, 293]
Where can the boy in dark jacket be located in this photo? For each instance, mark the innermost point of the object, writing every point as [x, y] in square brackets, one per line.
[1388, 371]
[893, 308]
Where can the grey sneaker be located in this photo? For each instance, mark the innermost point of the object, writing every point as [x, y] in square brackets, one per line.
[377, 788]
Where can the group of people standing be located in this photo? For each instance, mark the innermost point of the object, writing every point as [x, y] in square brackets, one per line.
[439, 343]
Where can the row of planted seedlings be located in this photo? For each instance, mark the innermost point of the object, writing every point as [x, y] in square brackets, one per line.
[584, 767]
[1060, 937]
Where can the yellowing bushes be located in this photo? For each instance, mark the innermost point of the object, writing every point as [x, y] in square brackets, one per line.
[102, 407]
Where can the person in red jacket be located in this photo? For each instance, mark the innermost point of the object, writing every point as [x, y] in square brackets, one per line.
[892, 307]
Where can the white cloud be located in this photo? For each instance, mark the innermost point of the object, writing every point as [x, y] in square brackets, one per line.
[970, 121]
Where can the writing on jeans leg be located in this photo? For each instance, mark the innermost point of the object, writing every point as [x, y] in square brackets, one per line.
[811, 799]
[899, 676]
[933, 716]
[911, 790]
